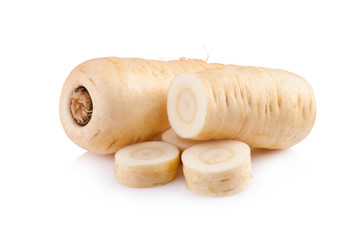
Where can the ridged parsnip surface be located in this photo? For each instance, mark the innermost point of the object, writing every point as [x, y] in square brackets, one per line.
[266, 108]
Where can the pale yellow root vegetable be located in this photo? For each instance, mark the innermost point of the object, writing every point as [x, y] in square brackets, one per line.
[107, 103]
[265, 108]
[171, 137]
[217, 168]
[146, 164]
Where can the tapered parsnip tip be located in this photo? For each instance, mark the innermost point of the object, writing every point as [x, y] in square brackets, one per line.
[217, 168]
[186, 105]
[171, 137]
[146, 164]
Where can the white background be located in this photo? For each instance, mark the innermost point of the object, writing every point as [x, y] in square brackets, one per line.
[52, 189]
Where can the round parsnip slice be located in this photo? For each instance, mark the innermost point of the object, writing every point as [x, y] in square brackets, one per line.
[171, 137]
[217, 168]
[265, 108]
[146, 164]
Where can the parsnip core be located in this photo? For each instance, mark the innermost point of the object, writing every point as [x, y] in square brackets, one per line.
[186, 105]
[214, 155]
[81, 106]
[146, 153]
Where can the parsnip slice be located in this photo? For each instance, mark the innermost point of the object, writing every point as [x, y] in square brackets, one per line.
[217, 168]
[146, 164]
[171, 137]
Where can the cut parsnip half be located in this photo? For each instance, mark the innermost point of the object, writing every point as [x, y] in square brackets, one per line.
[108, 103]
[171, 137]
[146, 164]
[217, 168]
[265, 108]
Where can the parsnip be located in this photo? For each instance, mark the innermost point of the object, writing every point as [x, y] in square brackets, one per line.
[171, 137]
[265, 108]
[217, 168]
[107, 103]
[146, 164]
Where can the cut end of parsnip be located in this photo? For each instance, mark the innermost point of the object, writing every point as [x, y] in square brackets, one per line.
[217, 168]
[186, 105]
[146, 164]
[171, 137]
[81, 106]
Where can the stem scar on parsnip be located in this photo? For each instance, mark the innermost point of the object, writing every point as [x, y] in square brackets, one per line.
[81, 106]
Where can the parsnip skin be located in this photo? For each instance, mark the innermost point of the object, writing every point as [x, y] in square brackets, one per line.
[128, 99]
[146, 164]
[217, 168]
[217, 185]
[265, 108]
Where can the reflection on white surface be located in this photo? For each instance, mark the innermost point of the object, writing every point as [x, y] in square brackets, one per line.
[286, 156]
[99, 171]
[99, 166]
[271, 168]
